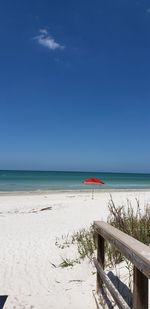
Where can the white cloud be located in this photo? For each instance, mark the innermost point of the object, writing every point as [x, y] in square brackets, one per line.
[47, 40]
[43, 31]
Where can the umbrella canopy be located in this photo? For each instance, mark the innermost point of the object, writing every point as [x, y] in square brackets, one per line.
[93, 181]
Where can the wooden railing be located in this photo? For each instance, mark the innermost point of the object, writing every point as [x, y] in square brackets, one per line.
[134, 251]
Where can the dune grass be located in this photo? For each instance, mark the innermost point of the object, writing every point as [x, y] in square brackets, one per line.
[135, 221]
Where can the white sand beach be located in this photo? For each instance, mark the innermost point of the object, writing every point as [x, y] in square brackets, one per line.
[29, 259]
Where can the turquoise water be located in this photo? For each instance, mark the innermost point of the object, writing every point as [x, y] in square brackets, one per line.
[32, 180]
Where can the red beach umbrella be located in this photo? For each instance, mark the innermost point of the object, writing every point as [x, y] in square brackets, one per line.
[93, 181]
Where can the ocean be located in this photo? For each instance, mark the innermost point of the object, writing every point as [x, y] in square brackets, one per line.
[35, 180]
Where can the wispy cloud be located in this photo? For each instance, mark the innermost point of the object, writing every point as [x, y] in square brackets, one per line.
[46, 40]
[148, 10]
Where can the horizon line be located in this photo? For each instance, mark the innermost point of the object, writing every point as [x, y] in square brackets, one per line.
[71, 171]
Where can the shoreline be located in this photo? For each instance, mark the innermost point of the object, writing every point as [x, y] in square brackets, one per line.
[99, 191]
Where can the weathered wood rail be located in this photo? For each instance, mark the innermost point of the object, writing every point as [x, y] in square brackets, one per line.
[134, 251]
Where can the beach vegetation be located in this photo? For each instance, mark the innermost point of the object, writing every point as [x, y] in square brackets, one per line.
[132, 220]
[63, 242]
[68, 262]
[85, 242]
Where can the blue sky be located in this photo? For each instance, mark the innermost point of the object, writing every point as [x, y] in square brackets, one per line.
[75, 85]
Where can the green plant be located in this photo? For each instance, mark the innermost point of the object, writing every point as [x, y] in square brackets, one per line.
[133, 221]
[130, 220]
[85, 241]
[64, 242]
[68, 262]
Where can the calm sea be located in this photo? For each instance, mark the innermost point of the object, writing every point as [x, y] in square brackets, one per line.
[33, 180]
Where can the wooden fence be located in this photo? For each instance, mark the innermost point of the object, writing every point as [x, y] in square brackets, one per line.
[134, 251]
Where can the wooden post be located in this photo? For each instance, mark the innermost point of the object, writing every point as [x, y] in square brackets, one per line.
[140, 290]
[100, 258]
